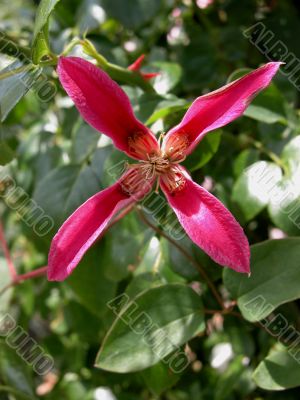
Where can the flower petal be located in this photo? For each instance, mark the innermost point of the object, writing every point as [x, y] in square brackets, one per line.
[210, 225]
[218, 108]
[102, 103]
[84, 226]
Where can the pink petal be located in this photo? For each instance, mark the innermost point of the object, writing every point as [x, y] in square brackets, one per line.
[84, 226]
[210, 225]
[101, 102]
[220, 107]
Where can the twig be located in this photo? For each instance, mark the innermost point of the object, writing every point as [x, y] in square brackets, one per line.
[32, 274]
[24, 277]
[187, 255]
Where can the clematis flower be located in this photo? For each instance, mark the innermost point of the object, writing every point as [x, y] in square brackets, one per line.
[136, 66]
[105, 106]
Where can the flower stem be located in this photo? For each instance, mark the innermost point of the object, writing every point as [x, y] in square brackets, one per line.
[24, 277]
[29, 275]
[116, 72]
[199, 268]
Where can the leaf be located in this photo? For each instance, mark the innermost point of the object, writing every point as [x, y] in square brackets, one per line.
[13, 88]
[42, 15]
[291, 155]
[252, 189]
[159, 378]
[123, 243]
[165, 107]
[271, 270]
[15, 372]
[41, 47]
[228, 380]
[170, 74]
[64, 189]
[278, 371]
[284, 206]
[205, 150]
[84, 141]
[40, 41]
[89, 283]
[244, 160]
[6, 153]
[132, 13]
[143, 282]
[156, 328]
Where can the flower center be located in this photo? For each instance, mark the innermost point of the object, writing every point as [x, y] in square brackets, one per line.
[155, 164]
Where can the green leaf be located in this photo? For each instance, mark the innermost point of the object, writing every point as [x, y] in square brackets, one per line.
[15, 81]
[165, 107]
[228, 380]
[89, 283]
[42, 15]
[143, 282]
[284, 207]
[271, 270]
[41, 47]
[64, 189]
[170, 74]
[252, 189]
[278, 371]
[261, 113]
[6, 153]
[84, 141]
[132, 13]
[244, 160]
[159, 378]
[291, 155]
[204, 151]
[123, 243]
[150, 327]
[15, 373]
[40, 41]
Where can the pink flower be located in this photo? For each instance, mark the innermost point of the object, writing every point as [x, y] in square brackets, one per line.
[104, 105]
[204, 3]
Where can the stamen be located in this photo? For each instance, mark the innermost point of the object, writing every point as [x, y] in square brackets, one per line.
[176, 145]
[174, 179]
[142, 144]
[132, 182]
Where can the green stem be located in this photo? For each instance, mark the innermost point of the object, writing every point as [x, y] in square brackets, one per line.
[116, 72]
[270, 154]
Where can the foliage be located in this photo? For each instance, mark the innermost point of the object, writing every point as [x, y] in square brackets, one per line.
[237, 333]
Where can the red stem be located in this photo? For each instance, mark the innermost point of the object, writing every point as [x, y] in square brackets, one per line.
[29, 275]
